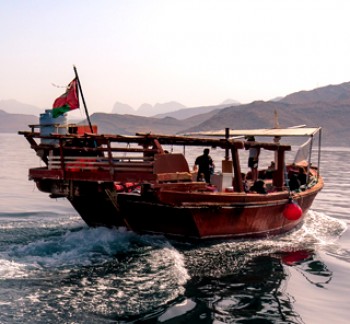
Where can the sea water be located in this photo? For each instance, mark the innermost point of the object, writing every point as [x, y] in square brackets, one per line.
[54, 269]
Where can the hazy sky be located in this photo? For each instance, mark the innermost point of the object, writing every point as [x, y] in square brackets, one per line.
[194, 52]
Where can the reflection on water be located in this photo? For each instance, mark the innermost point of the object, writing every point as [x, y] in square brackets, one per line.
[314, 271]
[252, 291]
[243, 281]
[255, 292]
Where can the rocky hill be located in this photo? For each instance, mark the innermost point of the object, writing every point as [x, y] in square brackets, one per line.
[333, 118]
[330, 94]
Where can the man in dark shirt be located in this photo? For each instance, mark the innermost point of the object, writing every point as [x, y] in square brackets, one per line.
[204, 164]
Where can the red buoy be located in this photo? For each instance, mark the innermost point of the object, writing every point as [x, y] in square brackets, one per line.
[292, 211]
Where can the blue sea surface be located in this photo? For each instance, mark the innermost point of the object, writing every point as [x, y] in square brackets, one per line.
[55, 269]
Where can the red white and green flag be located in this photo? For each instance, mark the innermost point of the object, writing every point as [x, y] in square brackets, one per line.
[68, 101]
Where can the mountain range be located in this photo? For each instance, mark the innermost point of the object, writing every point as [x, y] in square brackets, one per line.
[327, 106]
[145, 109]
[166, 109]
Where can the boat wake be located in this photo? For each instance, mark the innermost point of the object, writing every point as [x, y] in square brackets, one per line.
[98, 270]
[218, 259]
[120, 275]
[319, 229]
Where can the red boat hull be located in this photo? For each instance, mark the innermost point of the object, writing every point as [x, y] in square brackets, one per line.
[259, 215]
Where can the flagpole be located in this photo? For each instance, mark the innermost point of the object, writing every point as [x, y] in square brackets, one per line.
[82, 97]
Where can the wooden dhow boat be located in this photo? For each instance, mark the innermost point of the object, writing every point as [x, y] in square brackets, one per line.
[132, 182]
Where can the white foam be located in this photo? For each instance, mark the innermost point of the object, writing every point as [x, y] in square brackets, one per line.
[12, 269]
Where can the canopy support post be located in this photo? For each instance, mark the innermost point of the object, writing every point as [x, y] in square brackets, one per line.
[238, 183]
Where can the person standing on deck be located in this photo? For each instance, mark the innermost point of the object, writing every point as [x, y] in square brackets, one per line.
[204, 164]
[253, 160]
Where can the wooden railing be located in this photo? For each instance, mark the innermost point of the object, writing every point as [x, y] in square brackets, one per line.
[93, 163]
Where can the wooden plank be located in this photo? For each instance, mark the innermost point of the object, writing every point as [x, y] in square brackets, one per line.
[178, 176]
[98, 175]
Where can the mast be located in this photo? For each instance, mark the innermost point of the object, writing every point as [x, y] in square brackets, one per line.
[227, 136]
[82, 97]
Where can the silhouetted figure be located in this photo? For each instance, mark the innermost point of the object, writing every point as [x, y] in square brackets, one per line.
[294, 183]
[302, 177]
[204, 164]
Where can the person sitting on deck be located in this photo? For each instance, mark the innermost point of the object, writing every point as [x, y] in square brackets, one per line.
[201, 177]
[258, 187]
[204, 164]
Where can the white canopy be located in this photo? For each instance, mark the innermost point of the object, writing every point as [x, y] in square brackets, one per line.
[274, 132]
